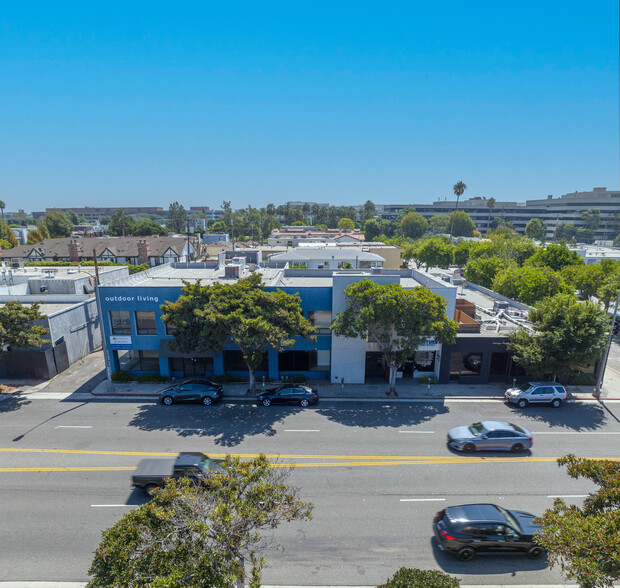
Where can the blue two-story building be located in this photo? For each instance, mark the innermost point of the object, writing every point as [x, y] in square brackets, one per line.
[136, 339]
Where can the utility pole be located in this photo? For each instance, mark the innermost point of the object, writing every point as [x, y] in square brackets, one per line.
[603, 365]
[188, 240]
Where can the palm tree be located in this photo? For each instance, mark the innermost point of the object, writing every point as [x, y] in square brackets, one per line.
[458, 188]
[2, 207]
[490, 206]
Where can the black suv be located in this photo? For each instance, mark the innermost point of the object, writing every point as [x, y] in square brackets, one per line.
[470, 529]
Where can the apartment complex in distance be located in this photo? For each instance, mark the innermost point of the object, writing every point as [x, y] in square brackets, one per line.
[95, 213]
[552, 211]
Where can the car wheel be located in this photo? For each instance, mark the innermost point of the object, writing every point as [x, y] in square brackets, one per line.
[535, 552]
[266, 402]
[517, 448]
[150, 488]
[304, 402]
[556, 403]
[466, 554]
[469, 448]
[167, 400]
[207, 400]
[522, 403]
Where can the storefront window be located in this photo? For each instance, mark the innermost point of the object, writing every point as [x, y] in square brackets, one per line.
[465, 364]
[119, 320]
[234, 362]
[294, 361]
[499, 364]
[139, 361]
[145, 322]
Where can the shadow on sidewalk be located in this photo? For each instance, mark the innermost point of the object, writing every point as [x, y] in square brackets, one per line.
[13, 402]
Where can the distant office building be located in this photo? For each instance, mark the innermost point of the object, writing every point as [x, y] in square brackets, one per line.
[552, 211]
[210, 213]
[293, 236]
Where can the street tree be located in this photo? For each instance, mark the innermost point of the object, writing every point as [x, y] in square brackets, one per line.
[585, 279]
[18, 328]
[529, 284]
[177, 218]
[484, 269]
[439, 223]
[435, 252]
[58, 224]
[535, 228]
[413, 225]
[458, 189]
[585, 541]
[461, 253]
[396, 319]
[346, 223]
[209, 317]
[556, 256]
[609, 288]
[461, 223]
[200, 534]
[121, 224]
[568, 334]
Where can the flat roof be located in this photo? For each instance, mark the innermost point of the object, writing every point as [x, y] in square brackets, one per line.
[48, 309]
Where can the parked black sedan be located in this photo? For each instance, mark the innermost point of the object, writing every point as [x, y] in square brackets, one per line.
[288, 394]
[202, 391]
[469, 529]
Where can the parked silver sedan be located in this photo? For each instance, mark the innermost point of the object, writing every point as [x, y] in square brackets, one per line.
[490, 436]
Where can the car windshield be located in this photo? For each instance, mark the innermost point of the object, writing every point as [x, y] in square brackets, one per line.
[477, 429]
[510, 519]
[524, 388]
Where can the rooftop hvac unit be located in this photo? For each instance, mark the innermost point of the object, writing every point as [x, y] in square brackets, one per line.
[376, 271]
[500, 305]
[232, 271]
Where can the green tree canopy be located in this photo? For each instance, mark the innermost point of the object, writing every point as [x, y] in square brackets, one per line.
[608, 290]
[373, 227]
[218, 227]
[585, 541]
[535, 229]
[346, 223]
[146, 227]
[8, 235]
[484, 269]
[435, 252]
[568, 334]
[528, 284]
[207, 317]
[34, 236]
[413, 225]
[586, 279]
[556, 256]
[195, 535]
[398, 320]
[17, 327]
[462, 225]
[414, 578]
[439, 223]
[591, 218]
[58, 224]
[121, 224]
[461, 253]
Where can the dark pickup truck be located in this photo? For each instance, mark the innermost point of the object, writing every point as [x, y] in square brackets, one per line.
[152, 473]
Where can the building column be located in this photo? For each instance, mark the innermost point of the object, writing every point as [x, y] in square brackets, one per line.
[218, 364]
[164, 366]
[274, 364]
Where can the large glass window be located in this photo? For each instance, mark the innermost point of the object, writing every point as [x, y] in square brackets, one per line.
[465, 364]
[499, 364]
[234, 362]
[170, 328]
[321, 319]
[119, 320]
[145, 322]
[294, 361]
[140, 361]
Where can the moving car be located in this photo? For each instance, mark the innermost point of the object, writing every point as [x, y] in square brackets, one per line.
[192, 391]
[469, 529]
[490, 436]
[152, 473]
[537, 393]
[289, 394]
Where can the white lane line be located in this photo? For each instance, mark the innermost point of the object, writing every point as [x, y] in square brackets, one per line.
[418, 432]
[576, 433]
[422, 499]
[73, 427]
[112, 505]
[302, 430]
[186, 429]
[567, 495]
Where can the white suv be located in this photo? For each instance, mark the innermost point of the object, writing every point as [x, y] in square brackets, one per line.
[537, 393]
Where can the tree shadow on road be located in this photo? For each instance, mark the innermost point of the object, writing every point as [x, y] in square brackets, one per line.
[376, 415]
[574, 415]
[13, 402]
[242, 420]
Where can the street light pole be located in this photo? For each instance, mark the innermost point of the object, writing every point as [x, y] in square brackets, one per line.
[603, 365]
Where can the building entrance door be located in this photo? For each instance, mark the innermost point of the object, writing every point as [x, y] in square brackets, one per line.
[194, 367]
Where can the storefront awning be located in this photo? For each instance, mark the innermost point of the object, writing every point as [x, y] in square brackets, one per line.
[165, 351]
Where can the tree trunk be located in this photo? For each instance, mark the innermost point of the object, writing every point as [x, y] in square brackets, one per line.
[252, 380]
[392, 377]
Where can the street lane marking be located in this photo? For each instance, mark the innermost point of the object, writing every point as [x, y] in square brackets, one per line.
[418, 432]
[422, 499]
[576, 433]
[70, 469]
[73, 427]
[567, 495]
[112, 505]
[302, 430]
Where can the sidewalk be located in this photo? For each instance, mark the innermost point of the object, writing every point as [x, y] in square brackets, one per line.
[83, 584]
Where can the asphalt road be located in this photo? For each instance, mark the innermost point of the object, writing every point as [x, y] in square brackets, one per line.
[376, 474]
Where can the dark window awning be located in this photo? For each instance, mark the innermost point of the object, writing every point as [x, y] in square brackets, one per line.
[165, 351]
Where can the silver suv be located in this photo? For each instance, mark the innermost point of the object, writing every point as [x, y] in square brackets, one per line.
[537, 393]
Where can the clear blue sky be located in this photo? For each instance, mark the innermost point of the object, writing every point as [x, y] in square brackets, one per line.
[110, 103]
